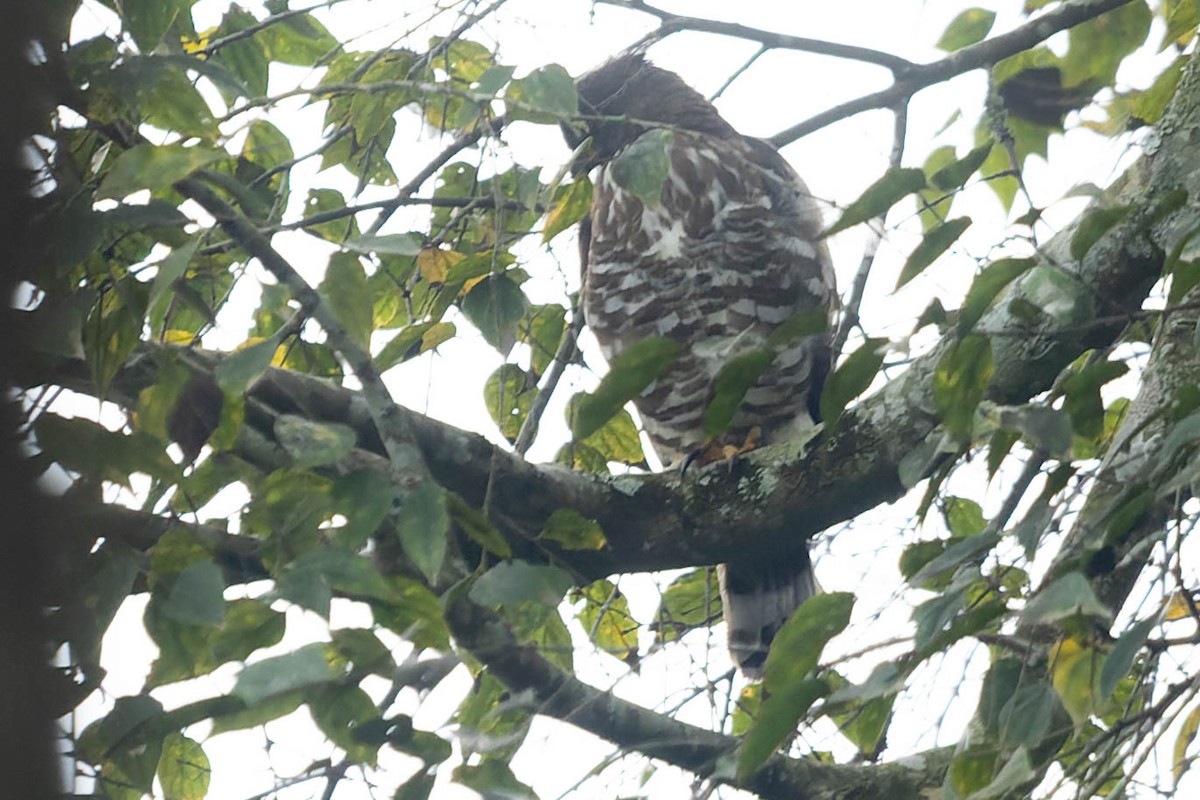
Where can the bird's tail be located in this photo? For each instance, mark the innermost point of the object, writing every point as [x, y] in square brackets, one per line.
[758, 597]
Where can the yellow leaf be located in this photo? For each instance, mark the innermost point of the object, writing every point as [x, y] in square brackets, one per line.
[176, 336]
[191, 45]
[435, 264]
[1074, 670]
[1186, 734]
[1178, 607]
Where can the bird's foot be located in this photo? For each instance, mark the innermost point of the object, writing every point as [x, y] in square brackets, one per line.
[717, 449]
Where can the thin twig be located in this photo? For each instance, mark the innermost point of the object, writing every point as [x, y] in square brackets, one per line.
[858, 288]
[564, 356]
[462, 142]
[674, 23]
[737, 73]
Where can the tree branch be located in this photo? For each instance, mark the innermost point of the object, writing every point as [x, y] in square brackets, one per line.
[705, 753]
[977, 56]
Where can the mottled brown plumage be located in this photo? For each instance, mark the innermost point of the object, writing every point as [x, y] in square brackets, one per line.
[728, 252]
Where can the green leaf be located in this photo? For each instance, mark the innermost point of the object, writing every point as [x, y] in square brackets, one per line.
[962, 376]
[1094, 225]
[730, 386]
[188, 651]
[345, 289]
[880, 196]
[198, 596]
[788, 691]
[365, 498]
[964, 517]
[932, 245]
[128, 715]
[148, 20]
[154, 167]
[954, 175]
[969, 27]
[797, 647]
[1015, 773]
[237, 372]
[642, 167]
[1187, 734]
[171, 269]
[573, 531]
[570, 204]
[775, 720]
[512, 582]
[986, 286]
[628, 375]
[954, 555]
[1121, 657]
[1044, 427]
[308, 666]
[853, 377]
[495, 306]
[1067, 597]
[545, 95]
[1097, 47]
[476, 525]
[298, 39]
[412, 342]
[183, 769]
[392, 244]
[692, 600]
[313, 444]
[260, 713]
[422, 527]
[339, 712]
[493, 779]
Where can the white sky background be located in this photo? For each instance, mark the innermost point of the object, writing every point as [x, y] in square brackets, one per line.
[838, 162]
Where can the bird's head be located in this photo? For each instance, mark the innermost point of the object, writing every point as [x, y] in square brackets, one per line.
[625, 97]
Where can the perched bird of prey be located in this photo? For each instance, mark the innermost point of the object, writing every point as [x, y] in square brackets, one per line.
[727, 252]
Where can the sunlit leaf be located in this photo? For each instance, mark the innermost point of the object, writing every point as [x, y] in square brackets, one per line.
[1074, 670]
[692, 600]
[969, 27]
[573, 531]
[571, 202]
[183, 769]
